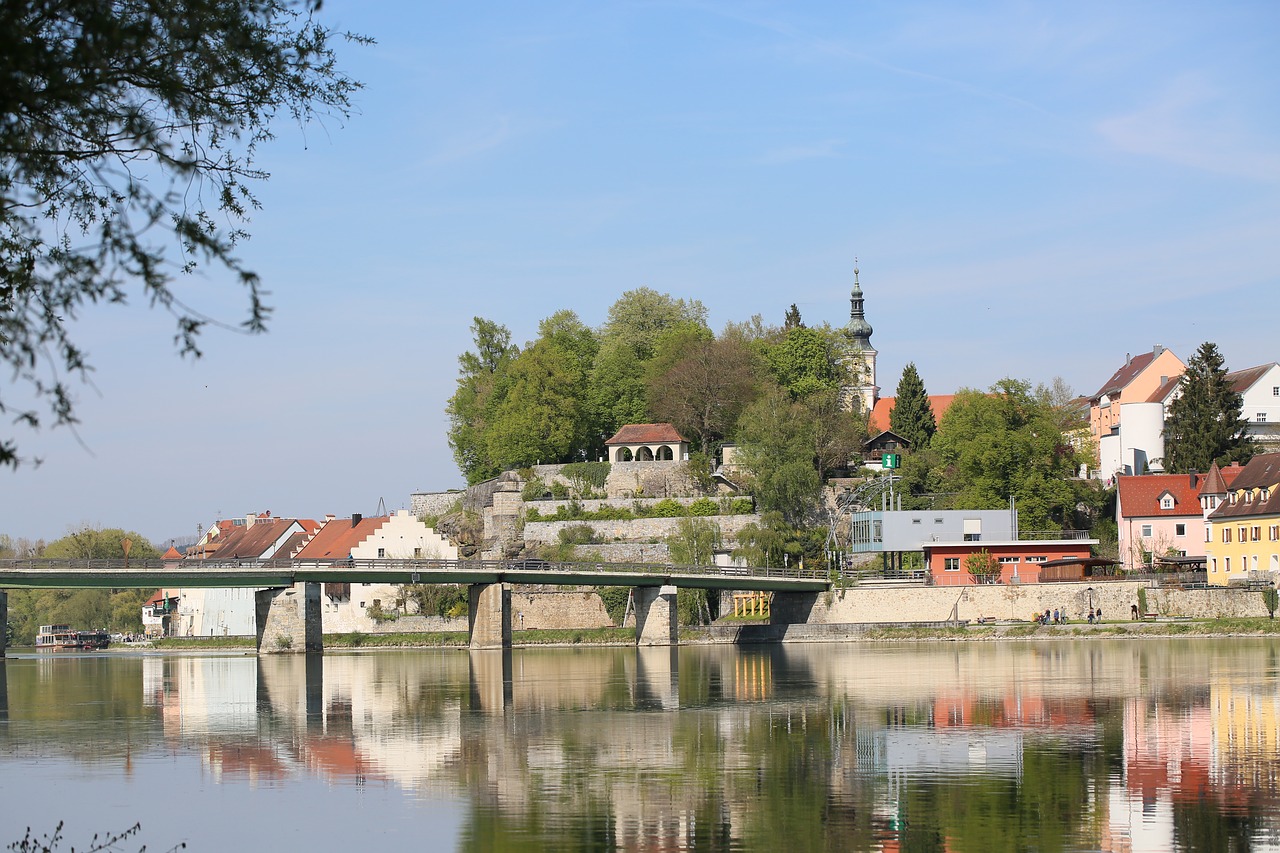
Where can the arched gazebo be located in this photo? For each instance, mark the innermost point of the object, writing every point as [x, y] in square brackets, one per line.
[647, 443]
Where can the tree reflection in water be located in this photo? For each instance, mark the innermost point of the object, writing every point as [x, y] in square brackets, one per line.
[1105, 745]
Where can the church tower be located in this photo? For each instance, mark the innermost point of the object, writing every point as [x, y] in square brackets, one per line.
[860, 391]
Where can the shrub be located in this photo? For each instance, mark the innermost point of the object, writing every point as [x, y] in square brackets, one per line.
[534, 490]
[532, 514]
[743, 506]
[578, 534]
[668, 508]
[586, 476]
[559, 491]
[704, 506]
[615, 601]
[438, 599]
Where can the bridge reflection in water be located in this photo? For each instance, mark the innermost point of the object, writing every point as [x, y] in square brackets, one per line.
[1110, 745]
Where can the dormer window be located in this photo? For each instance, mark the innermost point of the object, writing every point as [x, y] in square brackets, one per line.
[1166, 501]
[1248, 497]
[1265, 496]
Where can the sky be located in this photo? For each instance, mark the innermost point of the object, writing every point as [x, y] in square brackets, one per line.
[1029, 190]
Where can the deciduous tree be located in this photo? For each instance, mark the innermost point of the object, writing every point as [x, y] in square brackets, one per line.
[128, 140]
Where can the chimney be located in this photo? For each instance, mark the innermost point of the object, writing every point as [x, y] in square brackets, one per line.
[250, 519]
[356, 518]
[1193, 479]
[1128, 357]
[1157, 349]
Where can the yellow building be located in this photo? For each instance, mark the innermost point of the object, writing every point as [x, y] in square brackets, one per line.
[1243, 533]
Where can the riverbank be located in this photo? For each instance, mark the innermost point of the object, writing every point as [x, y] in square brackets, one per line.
[741, 632]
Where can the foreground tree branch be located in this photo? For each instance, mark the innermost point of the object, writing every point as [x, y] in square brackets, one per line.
[128, 133]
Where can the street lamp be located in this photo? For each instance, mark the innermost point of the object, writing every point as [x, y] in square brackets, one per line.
[1090, 591]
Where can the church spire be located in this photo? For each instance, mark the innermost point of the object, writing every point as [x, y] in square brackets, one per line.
[859, 328]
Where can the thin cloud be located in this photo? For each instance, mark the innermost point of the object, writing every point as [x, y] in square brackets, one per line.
[1190, 125]
[822, 150]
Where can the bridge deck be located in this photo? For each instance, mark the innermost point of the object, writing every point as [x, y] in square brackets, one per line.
[117, 574]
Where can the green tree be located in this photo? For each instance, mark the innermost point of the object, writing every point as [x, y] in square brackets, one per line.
[775, 449]
[694, 542]
[1003, 444]
[541, 418]
[792, 320]
[912, 416]
[1204, 424]
[481, 388]
[128, 138]
[629, 340]
[805, 361]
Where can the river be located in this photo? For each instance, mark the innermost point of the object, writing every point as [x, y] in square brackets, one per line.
[1117, 745]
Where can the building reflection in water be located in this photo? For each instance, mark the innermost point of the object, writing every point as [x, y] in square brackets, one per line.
[665, 748]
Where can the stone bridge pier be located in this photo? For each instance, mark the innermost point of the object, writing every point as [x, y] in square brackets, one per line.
[288, 619]
[656, 617]
[489, 615]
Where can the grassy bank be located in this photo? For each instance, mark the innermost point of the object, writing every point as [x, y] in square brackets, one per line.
[178, 644]
[1178, 628]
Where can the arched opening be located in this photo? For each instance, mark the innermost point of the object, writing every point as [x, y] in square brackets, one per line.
[664, 454]
[644, 454]
[624, 454]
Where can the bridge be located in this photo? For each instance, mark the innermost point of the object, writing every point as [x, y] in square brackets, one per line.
[288, 601]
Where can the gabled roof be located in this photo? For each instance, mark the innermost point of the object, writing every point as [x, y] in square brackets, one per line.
[883, 410]
[159, 597]
[292, 544]
[339, 537]
[1126, 374]
[1218, 481]
[1243, 380]
[1261, 472]
[172, 554]
[250, 542]
[646, 434]
[1164, 389]
[891, 434]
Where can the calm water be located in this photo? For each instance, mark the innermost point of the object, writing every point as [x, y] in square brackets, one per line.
[1097, 745]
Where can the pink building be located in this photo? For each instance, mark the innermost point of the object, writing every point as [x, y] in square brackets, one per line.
[1161, 515]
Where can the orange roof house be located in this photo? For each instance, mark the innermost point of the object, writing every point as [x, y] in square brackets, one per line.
[883, 411]
[1161, 513]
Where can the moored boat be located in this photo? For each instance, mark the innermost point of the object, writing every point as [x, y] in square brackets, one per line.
[63, 637]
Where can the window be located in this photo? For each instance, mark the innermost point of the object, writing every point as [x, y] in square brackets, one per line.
[1008, 561]
[1275, 562]
[1274, 532]
[1146, 531]
[1255, 534]
[1037, 559]
[1179, 530]
[1226, 534]
[1226, 565]
[1213, 565]
[1275, 390]
[417, 553]
[1262, 417]
[1208, 533]
[382, 552]
[1166, 502]
[937, 521]
[915, 521]
[1244, 534]
[951, 564]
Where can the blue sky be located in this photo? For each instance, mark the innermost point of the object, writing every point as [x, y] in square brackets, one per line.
[1031, 190]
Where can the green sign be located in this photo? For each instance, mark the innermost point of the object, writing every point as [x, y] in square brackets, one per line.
[890, 461]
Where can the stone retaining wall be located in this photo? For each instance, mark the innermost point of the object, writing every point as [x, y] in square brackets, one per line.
[433, 503]
[632, 530]
[625, 552]
[549, 507]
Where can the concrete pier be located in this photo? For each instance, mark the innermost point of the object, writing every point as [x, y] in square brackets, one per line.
[489, 615]
[288, 619]
[656, 623]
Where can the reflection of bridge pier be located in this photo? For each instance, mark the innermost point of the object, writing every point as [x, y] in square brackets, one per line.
[4, 687]
[490, 680]
[658, 677]
[4, 621]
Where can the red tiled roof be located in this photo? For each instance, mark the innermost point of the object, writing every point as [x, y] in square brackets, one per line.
[1164, 389]
[1218, 481]
[338, 538]
[883, 411]
[292, 544]
[250, 542]
[171, 554]
[1140, 494]
[646, 434]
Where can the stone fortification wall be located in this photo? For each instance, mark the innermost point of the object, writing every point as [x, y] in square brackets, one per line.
[649, 479]
[996, 601]
[433, 503]
[632, 530]
[552, 607]
[549, 507]
[1003, 602]
[625, 552]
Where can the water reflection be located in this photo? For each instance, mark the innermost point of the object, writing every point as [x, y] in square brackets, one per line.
[1100, 745]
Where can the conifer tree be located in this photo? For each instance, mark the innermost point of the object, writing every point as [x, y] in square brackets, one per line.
[912, 416]
[1204, 424]
[792, 320]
